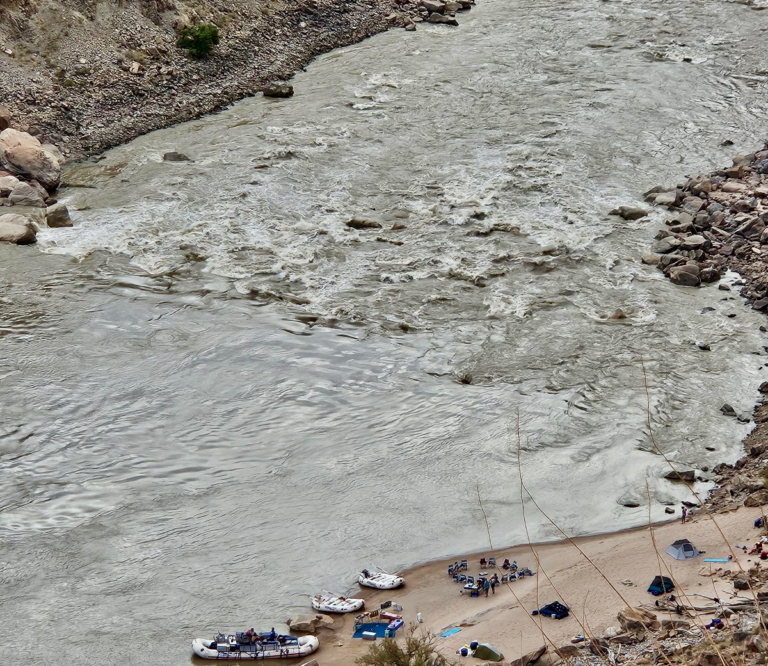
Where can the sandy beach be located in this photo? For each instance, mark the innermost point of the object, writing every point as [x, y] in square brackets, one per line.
[628, 560]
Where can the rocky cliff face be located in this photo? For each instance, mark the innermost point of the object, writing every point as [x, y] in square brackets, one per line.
[89, 74]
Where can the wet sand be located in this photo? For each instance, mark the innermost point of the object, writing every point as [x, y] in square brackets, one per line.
[504, 620]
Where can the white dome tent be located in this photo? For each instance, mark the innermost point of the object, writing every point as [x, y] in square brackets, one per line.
[683, 549]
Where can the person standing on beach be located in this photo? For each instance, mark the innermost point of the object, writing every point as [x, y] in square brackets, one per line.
[685, 512]
[486, 586]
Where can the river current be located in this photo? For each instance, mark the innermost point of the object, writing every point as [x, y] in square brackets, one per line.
[218, 398]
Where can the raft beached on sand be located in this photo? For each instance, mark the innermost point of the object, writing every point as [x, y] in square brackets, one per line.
[246, 646]
[332, 603]
[381, 580]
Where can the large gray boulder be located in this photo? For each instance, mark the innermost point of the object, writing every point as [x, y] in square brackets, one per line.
[16, 229]
[433, 5]
[686, 275]
[694, 242]
[58, 216]
[629, 212]
[666, 245]
[25, 194]
[23, 155]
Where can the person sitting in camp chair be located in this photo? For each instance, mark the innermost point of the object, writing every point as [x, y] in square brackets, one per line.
[506, 564]
[483, 562]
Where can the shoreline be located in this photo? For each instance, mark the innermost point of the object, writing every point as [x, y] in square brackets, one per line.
[738, 498]
[627, 558]
[118, 90]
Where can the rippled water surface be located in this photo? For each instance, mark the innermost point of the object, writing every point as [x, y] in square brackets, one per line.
[212, 381]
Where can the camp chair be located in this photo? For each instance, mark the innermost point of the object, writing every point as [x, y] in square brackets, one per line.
[450, 570]
[491, 561]
[504, 578]
[462, 578]
[483, 562]
[464, 565]
[512, 577]
[455, 578]
[471, 580]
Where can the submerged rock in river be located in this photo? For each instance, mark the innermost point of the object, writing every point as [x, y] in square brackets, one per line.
[280, 90]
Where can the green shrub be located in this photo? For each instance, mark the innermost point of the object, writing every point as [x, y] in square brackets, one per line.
[199, 40]
[419, 650]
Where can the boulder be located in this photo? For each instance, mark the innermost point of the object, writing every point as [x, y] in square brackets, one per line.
[22, 154]
[637, 620]
[362, 223]
[727, 410]
[741, 582]
[741, 482]
[5, 118]
[34, 164]
[16, 229]
[434, 17]
[710, 274]
[618, 314]
[692, 205]
[685, 275]
[733, 187]
[58, 216]
[278, 90]
[694, 242]
[688, 475]
[307, 623]
[7, 183]
[666, 245]
[452, 7]
[175, 157]
[651, 259]
[669, 509]
[433, 5]
[666, 198]
[760, 498]
[667, 260]
[25, 194]
[530, 658]
[629, 212]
